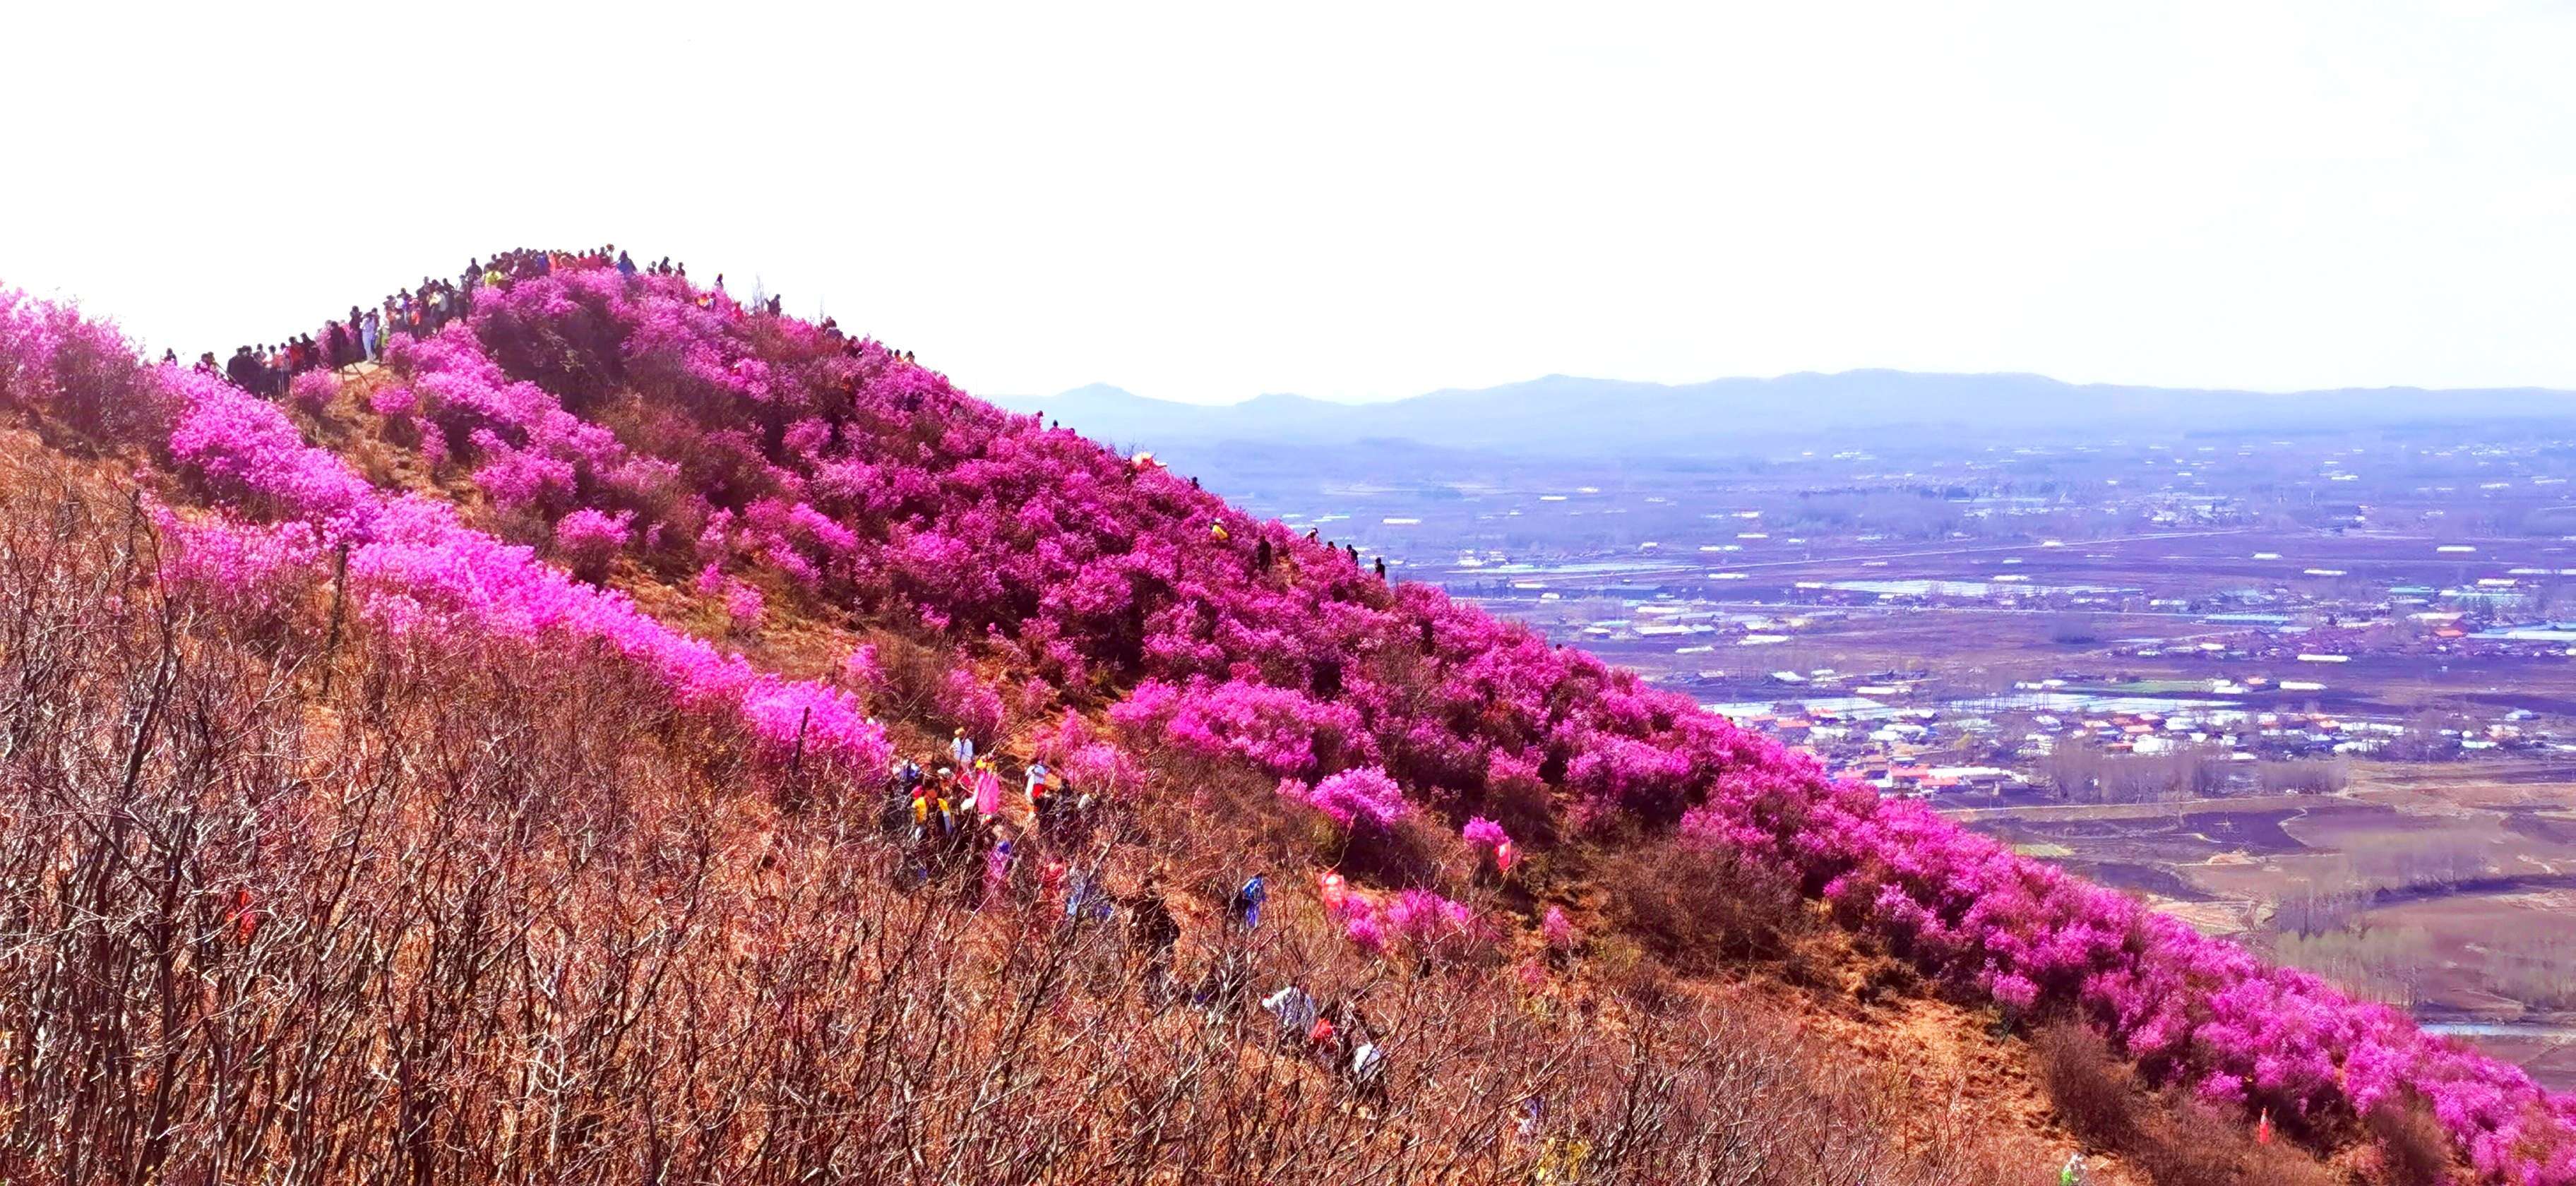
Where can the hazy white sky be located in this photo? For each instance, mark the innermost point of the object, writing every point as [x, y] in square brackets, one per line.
[1198, 202]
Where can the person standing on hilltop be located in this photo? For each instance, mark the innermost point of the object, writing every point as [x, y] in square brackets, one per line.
[625, 266]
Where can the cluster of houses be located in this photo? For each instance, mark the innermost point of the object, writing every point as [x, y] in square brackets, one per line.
[1997, 745]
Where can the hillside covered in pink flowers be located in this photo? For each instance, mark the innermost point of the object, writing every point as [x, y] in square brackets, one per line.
[831, 555]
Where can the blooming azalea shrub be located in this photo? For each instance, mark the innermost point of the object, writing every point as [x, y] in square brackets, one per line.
[587, 541]
[1413, 921]
[81, 374]
[1352, 797]
[394, 402]
[255, 576]
[742, 441]
[1488, 837]
[966, 701]
[744, 606]
[313, 390]
[1277, 730]
[1558, 930]
[860, 672]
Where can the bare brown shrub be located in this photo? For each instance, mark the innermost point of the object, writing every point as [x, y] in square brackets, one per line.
[1699, 910]
[2412, 1148]
[2095, 1094]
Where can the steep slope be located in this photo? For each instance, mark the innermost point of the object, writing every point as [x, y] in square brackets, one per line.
[759, 479]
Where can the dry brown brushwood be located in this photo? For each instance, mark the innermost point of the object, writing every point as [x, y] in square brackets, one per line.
[476, 912]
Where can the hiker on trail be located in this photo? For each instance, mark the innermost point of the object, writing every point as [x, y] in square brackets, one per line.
[1152, 930]
[1216, 531]
[1042, 807]
[1330, 887]
[905, 783]
[1368, 1072]
[1295, 1011]
[625, 266]
[1072, 810]
[1087, 901]
[1050, 880]
[206, 364]
[1354, 550]
[1323, 1039]
[2073, 1172]
[371, 328]
[1381, 568]
[922, 806]
[988, 790]
[1246, 906]
[1041, 804]
[1261, 556]
[961, 749]
[997, 870]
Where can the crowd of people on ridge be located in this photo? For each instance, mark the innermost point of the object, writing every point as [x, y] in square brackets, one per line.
[361, 335]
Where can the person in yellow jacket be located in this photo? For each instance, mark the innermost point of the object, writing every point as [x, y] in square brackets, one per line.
[1216, 531]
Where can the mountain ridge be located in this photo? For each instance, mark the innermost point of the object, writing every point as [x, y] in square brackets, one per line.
[1561, 414]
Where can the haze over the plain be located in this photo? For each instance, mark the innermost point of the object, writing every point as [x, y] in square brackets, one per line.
[1362, 201]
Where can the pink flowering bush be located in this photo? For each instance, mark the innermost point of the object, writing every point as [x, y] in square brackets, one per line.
[1352, 797]
[394, 402]
[1278, 730]
[256, 576]
[312, 391]
[744, 606]
[1488, 837]
[968, 701]
[1558, 930]
[861, 672]
[1103, 768]
[1416, 920]
[587, 540]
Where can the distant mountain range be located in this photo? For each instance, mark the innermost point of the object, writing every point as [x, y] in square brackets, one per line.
[1569, 416]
